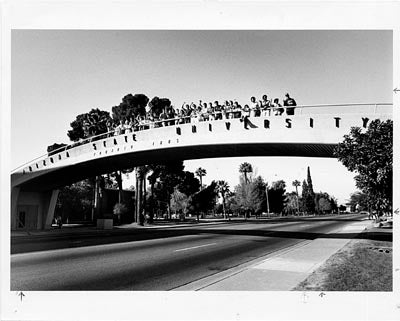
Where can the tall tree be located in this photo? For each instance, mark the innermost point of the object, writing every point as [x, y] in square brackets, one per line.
[259, 196]
[369, 153]
[85, 126]
[231, 205]
[276, 196]
[179, 202]
[324, 203]
[308, 195]
[251, 196]
[291, 203]
[75, 201]
[296, 184]
[243, 195]
[200, 172]
[245, 168]
[188, 184]
[166, 178]
[115, 179]
[89, 124]
[203, 201]
[139, 215]
[307, 199]
[309, 181]
[359, 200]
[154, 172]
[158, 105]
[130, 107]
[223, 189]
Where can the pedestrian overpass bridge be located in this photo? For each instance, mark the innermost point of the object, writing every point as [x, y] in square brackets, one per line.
[313, 131]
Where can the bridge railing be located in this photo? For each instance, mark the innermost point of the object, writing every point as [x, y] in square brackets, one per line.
[319, 109]
[223, 115]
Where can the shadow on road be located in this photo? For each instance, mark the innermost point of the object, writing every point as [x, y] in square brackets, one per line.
[51, 242]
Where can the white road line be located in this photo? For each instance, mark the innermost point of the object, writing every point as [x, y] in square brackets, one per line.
[194, 247]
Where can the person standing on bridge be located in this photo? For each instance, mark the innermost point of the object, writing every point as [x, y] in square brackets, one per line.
[131, 124]
[185, 111]
[277, 107]
[210, 111]
[110, 128]
[204, 112]
[119, 128]
[253, 105]
[237, 108]
[246, 115]
[171, 115]
[195, 116]
[290, 103]
[127, 127]
[266, 106]
[227, 110]
[163, 117]
[217, 110]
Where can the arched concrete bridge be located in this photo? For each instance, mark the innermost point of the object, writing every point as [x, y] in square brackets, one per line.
[313, 131]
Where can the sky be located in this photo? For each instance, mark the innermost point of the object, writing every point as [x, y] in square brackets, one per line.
[58, 74]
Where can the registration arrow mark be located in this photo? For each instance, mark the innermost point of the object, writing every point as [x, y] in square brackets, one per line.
[21, 294]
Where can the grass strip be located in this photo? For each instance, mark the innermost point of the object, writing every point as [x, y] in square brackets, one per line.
[359, 266]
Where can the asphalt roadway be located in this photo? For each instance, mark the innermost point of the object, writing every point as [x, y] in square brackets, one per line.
[155, 259]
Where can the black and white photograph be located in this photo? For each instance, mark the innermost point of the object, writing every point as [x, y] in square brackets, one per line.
[177, 166]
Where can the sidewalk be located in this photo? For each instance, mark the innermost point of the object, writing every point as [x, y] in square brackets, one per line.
[282, 270]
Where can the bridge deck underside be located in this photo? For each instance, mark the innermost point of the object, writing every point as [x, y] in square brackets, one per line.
[51, 179]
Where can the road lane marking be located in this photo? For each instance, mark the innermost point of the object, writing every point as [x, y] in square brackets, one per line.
[194, 247]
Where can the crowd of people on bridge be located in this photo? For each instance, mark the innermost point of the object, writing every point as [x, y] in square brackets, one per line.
[203, 111]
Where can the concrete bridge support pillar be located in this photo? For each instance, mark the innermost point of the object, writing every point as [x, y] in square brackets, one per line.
[14, 204]
[32, 210]
[50, 208]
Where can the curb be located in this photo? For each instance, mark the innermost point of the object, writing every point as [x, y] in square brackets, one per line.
[232, 272]
[219, 276]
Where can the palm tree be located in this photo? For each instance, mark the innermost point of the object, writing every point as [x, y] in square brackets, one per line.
[200, 172]
[245, 168]
[223, 189]
[296, 184]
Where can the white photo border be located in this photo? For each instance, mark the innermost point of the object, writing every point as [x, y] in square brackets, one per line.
[208, 14]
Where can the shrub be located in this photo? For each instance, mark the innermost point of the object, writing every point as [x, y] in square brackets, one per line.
[120, 209]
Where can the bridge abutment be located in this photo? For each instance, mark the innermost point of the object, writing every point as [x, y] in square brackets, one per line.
[32, 210]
